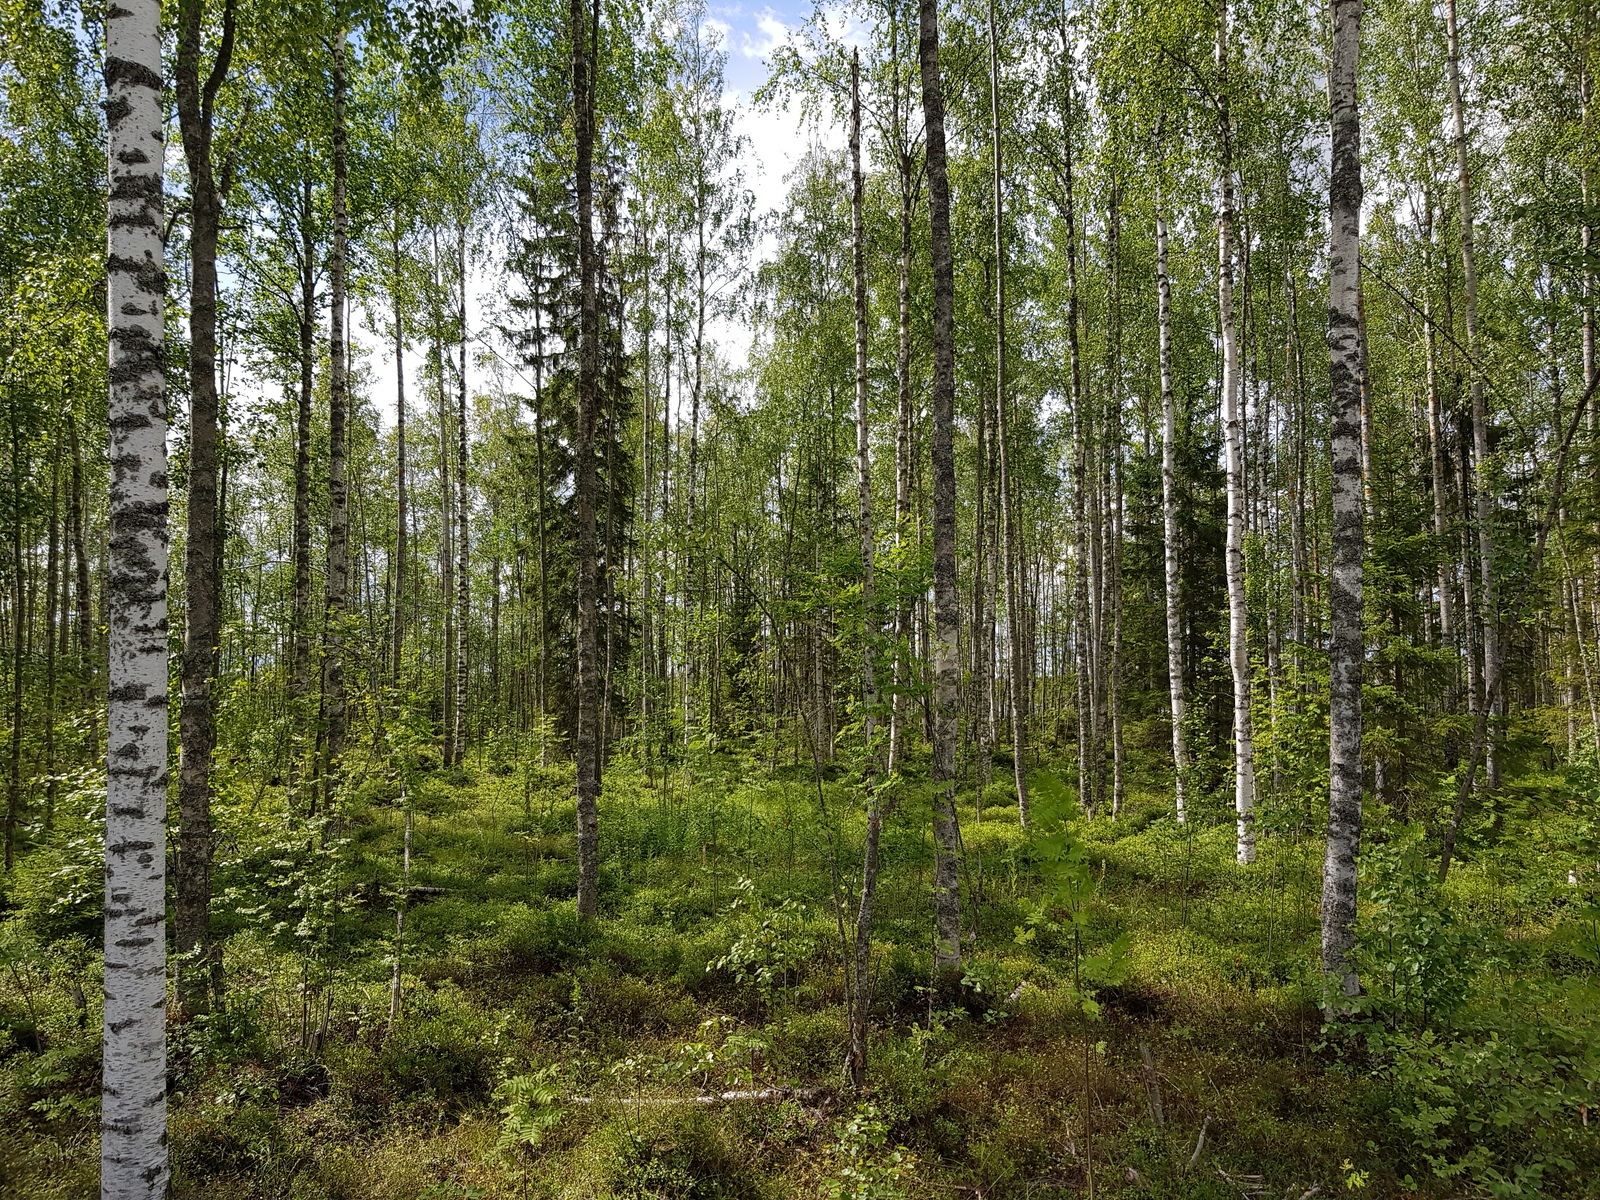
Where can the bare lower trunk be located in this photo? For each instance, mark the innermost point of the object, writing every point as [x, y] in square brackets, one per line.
[947, 605]
[133, 1112]
[1436, 446]
[338, 585]
[1582, 645]
[81, 596]
[1349, 538]
[1080, 638]
[861, 986]
[1244, 772]
[299, 686]
[197, 733]
[53, 595]
[1488, 601]
[402, 591]
[1016, 674]
[1111, 549]
[586, 735]
[463, 598]
[903, 424]
[1169, 522]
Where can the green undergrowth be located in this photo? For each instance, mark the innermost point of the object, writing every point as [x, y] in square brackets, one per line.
[1134, 1004]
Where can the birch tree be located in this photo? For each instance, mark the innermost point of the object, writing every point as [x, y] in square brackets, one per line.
[1169, 522]
[1244, 771]
[1349, 538]
[1016, 672]
[861, 987]
[946, 602]
[334, 698]
[133, 1135]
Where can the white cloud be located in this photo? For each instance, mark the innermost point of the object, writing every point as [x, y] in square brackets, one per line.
[844, 28]
[771, 34]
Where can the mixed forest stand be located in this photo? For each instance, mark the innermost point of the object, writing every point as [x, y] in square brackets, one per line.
[940, 687]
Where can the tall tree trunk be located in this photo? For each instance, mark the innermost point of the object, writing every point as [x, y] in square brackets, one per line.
[904, 441]
[81, 594]
[947, 604]
[19, 635]
[1112, 549]
[861, 987]
[646, 556]
[542, 517]
[1299, 566]
[1081, 655]
[1436, 446]
[1488, 602]
[979, 646]
[586, 741]
[133, 1115]
[1016, 674]
[447, 531]
[197, 728]
[401, 498]
[1169, 522]
[1349, 536]
[338, 586]
[300, 626]
[53, 595]
[463, 598]
[1244, 771]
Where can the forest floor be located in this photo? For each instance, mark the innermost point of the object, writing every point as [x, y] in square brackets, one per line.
[1138, 1016]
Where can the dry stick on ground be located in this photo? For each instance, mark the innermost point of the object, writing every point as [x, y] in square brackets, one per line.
[1152, 1086]
[1200, 1142]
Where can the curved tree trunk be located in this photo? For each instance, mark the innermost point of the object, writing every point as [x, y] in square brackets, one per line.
[133, 1113]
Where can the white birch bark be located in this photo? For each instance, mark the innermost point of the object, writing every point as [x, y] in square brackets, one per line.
[1169, 520]
[133, 1115]
[1348, 502]
[1244, 772]
[1436, 447]
[861, 984]
[947, 605]
[1016, 667]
